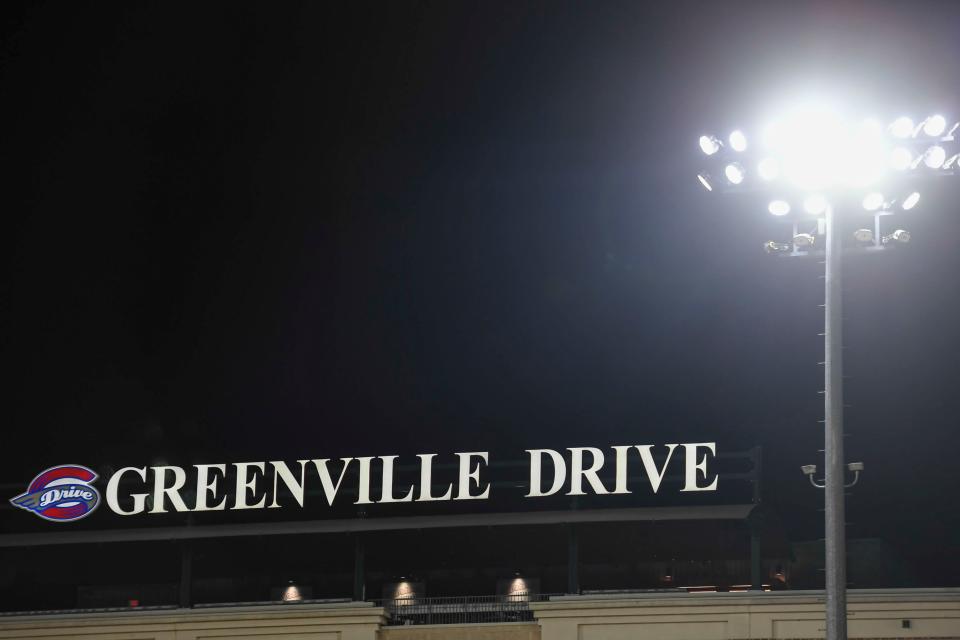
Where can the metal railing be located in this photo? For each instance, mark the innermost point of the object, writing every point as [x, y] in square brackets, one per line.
[459, 610]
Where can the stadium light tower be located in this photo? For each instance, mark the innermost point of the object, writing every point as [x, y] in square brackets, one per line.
[812, 162]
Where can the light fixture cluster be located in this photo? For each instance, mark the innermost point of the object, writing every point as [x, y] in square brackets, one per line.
[816, 150]
[815, 158]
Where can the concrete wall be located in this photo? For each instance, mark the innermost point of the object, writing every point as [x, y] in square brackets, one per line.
[349, 621]
[493, 631]
[933, 613]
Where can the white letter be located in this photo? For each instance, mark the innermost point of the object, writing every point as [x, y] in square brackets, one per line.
[387, 493]
[559, 472]
[693, 466]
[621, 485]
[139, 499]
[651, 467]
[205, 485]
[363, 492]
[577, 472]
[244, 484]
[161, 491]
[330, 489]
[426, 467]
[467, 475]
[282, 472]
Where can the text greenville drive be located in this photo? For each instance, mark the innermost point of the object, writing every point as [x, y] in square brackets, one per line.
[257, 484]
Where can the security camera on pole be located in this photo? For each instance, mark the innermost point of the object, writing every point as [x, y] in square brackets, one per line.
[815, 160]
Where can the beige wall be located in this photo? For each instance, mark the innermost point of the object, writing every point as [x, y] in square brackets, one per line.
[353, 621]
[492, 631]
[932, 613]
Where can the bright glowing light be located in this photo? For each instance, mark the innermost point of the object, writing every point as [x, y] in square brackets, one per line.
[820, 149]
[900, 235]
[873, 201]
[901, 158]
[705, 181]
[863, 235]
[709, 145]
[768, 169]
[775, 247]
[902, 127]
[734, 173]
[935, 126]
[779, 207]
[815, 205]
[738, 141]
[935, 157]
[911, 201]
[291, 593]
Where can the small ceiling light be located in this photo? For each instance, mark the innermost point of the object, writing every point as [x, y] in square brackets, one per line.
[705, 181]
[776, 247]
[709, 145]
[901, 158]
[768, 169]
[911, 201]
[900, 236]
[734, 173]
[292, 593]
[804, 240]
[935, 156]
[934, 126]
[779, 207]
[863, 235]
[738, 141]
[873, 201]
[815, 205]
[902, 127]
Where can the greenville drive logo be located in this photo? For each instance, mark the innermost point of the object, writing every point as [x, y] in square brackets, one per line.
[61, 494]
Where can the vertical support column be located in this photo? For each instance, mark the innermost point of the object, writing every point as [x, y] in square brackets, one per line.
[573, 560]
[186, 575]
[753, 521]
[756, 579]
[359, 575]
[835, 519]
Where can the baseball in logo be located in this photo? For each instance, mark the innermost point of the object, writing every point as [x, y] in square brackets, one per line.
[61, 494]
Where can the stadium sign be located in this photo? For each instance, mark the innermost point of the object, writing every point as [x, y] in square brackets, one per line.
[66, 493]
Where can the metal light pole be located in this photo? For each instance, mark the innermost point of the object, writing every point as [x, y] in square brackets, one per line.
[815, 155]
[835, 519]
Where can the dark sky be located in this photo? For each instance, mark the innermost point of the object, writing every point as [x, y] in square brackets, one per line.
[287, 230]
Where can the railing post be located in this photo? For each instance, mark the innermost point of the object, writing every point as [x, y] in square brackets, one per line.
[573, 560]
[186, 575]
[359, 583]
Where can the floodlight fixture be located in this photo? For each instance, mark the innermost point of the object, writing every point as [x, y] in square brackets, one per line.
[855, 466]
[910, 201]
[772, 246]
[804, 240]
[709, 145]
[809, 469]
[863, 236]
[738, 141]
[935, 156]
[734, 172]
[768, 169]
[873, 201]
[934, 126]
[704, 179]
[902, 127]
[779, 207]
[900, 236]
[901, 158]
[815, 204]
[952, 161]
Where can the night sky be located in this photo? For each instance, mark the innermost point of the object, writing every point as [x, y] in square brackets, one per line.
[279, 230]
